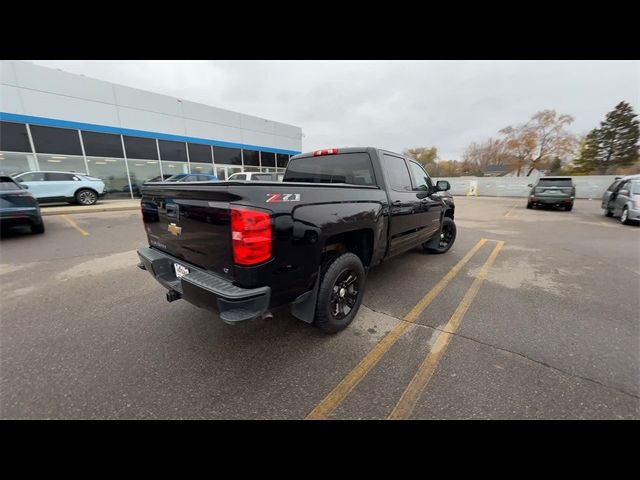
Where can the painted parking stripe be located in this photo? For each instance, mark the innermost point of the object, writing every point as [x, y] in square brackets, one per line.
[75, 225]
[510, 210]
[412, 393]
[353, 378]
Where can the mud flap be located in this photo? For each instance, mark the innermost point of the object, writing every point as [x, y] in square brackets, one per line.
[304, 307]
[434, 242]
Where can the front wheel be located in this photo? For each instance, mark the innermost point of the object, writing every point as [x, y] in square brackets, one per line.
[86, 197]
[340, 293]
[624, 218]
[447, 237]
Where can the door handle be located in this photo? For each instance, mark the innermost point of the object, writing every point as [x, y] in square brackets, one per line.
[397, 203]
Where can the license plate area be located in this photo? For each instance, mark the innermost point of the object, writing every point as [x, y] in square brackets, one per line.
[180, 270]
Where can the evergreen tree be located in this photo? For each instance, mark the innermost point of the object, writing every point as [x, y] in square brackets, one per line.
[618, 139]
[587, 160]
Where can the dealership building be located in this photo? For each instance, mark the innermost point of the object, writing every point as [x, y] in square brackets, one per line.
[54, 120]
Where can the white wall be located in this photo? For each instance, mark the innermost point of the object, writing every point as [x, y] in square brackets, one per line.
[27, 89]
[591, 186]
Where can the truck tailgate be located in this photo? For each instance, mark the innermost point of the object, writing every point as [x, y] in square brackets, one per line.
[191, 223]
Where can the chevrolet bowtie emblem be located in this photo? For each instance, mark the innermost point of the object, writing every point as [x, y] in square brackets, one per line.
[174, 229]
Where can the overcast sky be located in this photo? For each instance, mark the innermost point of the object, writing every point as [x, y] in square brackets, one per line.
[388, 104]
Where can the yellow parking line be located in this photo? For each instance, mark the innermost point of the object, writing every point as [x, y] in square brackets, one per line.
[510, 210]
[75, 225]
[340, 392]
[414, 390]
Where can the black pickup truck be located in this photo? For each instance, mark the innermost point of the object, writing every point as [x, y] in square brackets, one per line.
[241, 248]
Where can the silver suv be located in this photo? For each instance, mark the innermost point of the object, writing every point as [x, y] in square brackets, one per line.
[622, 199]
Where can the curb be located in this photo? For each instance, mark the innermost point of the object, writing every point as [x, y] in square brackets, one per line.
[45, 213]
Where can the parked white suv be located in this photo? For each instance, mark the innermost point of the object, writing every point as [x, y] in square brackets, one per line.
[69, 187]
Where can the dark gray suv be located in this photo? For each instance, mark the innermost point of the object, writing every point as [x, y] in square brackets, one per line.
[552, 191]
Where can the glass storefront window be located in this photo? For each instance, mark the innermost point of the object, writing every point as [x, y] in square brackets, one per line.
[199, 153]
[12, 163]
[171, 168]
[14, 138]
[201, 168]
[102, 144]
[221, 173]
[251, 157]
[268, 159]
[56, 140]
[174, 151]
[283, 159]
[113, 172]
[140, 147]
[63, 163]
[228, 156]
[140, 171]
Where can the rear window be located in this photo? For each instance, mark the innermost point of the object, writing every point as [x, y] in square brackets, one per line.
[352, 168]
[7, 184]
[555, 182]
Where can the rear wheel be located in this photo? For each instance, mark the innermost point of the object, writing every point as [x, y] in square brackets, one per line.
[340, 293]
[86, 197]
[447, 237]
[529, 205]
[569, 208]
[608, 213]
[624, 218]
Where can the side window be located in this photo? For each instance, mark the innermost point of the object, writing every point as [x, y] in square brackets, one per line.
[614, 186]
[421, 180]
[58, 177]
[397, 173]
[32, 177]
[625, 186]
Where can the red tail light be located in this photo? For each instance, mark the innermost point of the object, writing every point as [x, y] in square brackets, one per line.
[250, 236]
[326, 151]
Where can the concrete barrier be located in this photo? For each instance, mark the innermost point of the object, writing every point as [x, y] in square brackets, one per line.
[592, 186]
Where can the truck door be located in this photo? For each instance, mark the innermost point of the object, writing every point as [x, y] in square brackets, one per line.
[404, 221]
[430, 206]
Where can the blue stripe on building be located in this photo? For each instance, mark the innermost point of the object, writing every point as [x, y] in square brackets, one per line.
[53, 122]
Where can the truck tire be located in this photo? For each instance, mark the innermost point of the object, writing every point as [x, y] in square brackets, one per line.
[340, 293]
[447, 237]
[624, 218]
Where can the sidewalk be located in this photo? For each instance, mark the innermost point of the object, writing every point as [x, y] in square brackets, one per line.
[101, 206]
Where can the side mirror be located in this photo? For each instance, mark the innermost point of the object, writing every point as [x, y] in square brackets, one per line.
[530, 185]
[24, 186]
[442, 186]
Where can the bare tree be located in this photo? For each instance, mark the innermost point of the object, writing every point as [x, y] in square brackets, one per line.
[540, 140]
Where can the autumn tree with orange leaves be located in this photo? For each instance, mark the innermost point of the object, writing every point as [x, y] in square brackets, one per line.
[539, 141]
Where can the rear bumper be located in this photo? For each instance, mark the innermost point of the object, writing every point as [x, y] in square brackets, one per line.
[205, 289]
[558, 201]
[15, 216]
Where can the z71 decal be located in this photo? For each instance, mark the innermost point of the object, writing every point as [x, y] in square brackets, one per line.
[283, 197]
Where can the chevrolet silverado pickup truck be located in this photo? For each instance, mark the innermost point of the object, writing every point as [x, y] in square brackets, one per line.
[240, 248]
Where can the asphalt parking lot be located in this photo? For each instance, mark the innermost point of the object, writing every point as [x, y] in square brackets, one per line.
[537, 321]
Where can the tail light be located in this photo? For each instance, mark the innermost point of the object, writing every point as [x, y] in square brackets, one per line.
[250, 236]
